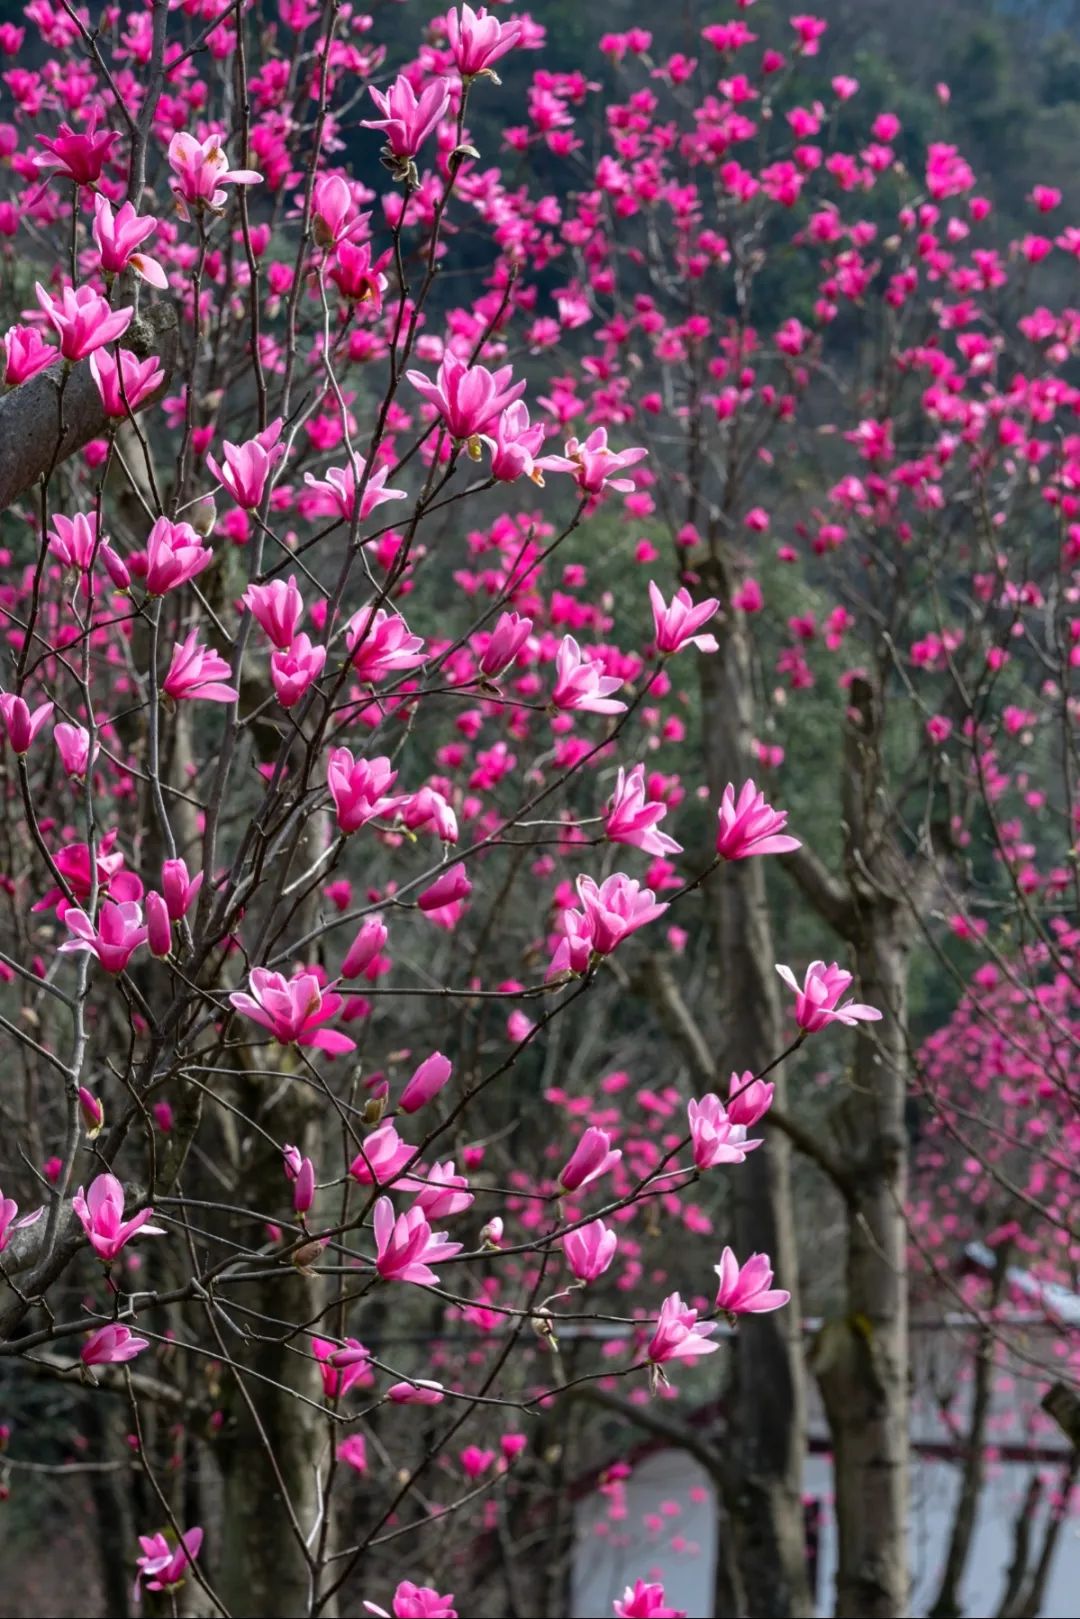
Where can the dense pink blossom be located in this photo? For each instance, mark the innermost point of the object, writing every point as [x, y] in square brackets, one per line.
[200, 174]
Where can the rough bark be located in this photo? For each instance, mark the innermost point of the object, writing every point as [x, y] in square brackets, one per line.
[769, 1418]
[39, 430]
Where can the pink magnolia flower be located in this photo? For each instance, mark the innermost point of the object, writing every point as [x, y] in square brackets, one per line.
[117, 237]
[817, 1002]
[467, 397]
[244, 473]
[353, 1452]
[92, 1111]
[447, 889]
[477, 40]
[73, 540]
[747, 1289]
[78, 155]
[124, 387]
[592, 1157]
[514, 444]
[383, 1155]
[641, 1601]
[101, 1213]
[304, 1187]
[423, 1392]
[749, 1099]
[631, 817]
[590, 1249]
[178, 888]
[21, 723]
[163, 1567]
[158, 926]
[9, 1222]
[360, 789]
[73, 746]
[294, 671]
[677, 625]
[112, 1345]
[200, 173]
[407, 119]
[381, 643]
[332, 210]
[82, 320]
[750, 826]
[406, 1248]
[677, 1333]
[507, 639]
[25, 354]
[356, 276]
[277, 608]
[293, 1009]
[196, 672]
[365, 948]
[427, 810]
[594, 465]
[715, 1138]
[426, 1082]
[336, 494]
[341, 1366]
[581, 684]
[616, 909]
[416, 1602]
[174, 555]
[119, 933]
[442, 1193]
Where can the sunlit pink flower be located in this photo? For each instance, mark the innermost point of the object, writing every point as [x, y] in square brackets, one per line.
[200, 173]
[677, 1333]
[426, 1082]
[82, 320]
[594, 465]
[715, 1138]
[441, 1192]
[22, 723]
[119, 933]
[615, 909]
[243, 470]
[295, 670]
[360, 789]
[750, 826]
[749, 1099]
[117, 237]
[406, 1248]
[676, 625]
[101, 1214]
[747, 1289]
[381, 643]
[590, 1249]
[293, 1009]
[25, 354]
[514, 445]
[477, 40]
[592, 1157]
[507, 639]
[277, 608]
[407, 119]
[581, 684]
[78, 155]
[198, 672]
[162, 1566]
[112, 1345]
[356, 276]
[174, 555]
[447, 889]
[467, 397]
[73, 540]
[816, 1003]
[631, 817]
[383, 1155]
[125, 386]
[335, 494]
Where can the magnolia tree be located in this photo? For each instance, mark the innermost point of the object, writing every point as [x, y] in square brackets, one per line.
[340, 773]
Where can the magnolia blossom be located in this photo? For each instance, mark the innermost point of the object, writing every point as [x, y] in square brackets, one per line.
[382, 1155]
[198, 672]
[407, 119]
[631, 817]
[677, 1333]
[747, 1289]
[381, 644]
[73, 540]
[677, 625]
[335, 495]
[514, 443]
[79, 155]
[73, 746]
[609, 913]
[82, 320]
[295, 670]
[818, 1001]
[426, 1082]
[25, 354]
[580, 682]
[277, 607]
[594, 464]
[112, 1345]
[416, 1602]
[421, 1392]
[715, 1138]
[293, 1009]
[590, 1249]
[162, 1566]
[749, 826]
[363, 953]
[510, 634]
[453, 885]
[467, 397]
[179, 888]
[200, 174]
[406, 1248]
[119, 933]
[360, 789]
[244, 469]
[10, 1222]
[442, 1193]
[101, 1213]
[428, 811]
[21, 722]
[118, 236]
[341, 1366]
[643, 1601]
[749, 1099]
[477, 40]
[174, 555]
[592, 1157]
